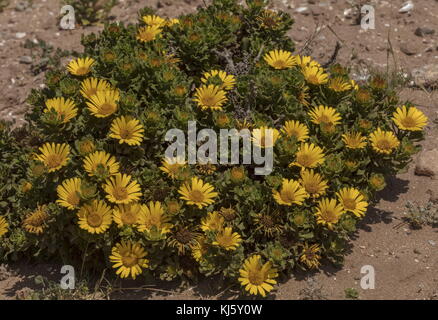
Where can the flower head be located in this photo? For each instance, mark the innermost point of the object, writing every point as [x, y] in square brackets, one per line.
[91, 86]
[80, 66]
[35, 222]
[127, 214]
[291, 192]
[129, 259]
[172, 166]
[210, 97]
[308, 156]
[310, 255]
[265, 137]
[212, 222]
[95, 217]
[325, 115]
[410, 119]
[257, 278]
[314, 75]
[121, 188]
[148, 33]
[227, 239]
[153, 218]
[54, 155]
[101, 164]
[353, 201]
[219, 78]
[280, 59]
[197, 193]
[69, 193]
[338, 84]
[384, 141]
[154, 20]
[65, 109]
[127, 130]
[3, 226]
[328, 212]
[313, 183]
[354, 140]
[296, 129]
[103, 103]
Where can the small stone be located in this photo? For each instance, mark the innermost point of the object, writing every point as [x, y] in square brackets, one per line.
[302, 10]
[432, 243]
[408, 48]
[406, 7]
[21, 6]
[20, 35]
[427, 164]
[316, 11]
[25, 60]
[421, 32]
[416, 251]
[426, 76]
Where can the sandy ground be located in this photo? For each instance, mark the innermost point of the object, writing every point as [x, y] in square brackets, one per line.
[405, 261]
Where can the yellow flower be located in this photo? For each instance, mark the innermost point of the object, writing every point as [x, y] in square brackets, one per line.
[219, 78]
[121, 188]
[65, 108]
[354, 140]
[210, 97]
[198, 193]
[410, 119]
[127, 130]
[308, 156]
[353, 201]
[26, 186]
[86, 146]
[328, 212]
[338, 84]
[172, 22]
[296, 129]
[313, 183]
[307, 61]
[91, 86]
[69, 193]
[269, 19]
[3, 226]
[227, 239]
[54, 155]
[172, 166]
[129, 259]
[212, 222]
[291, 193]
[153, 20]
[148, 33]
[80, 66]
[384, 141]
[280, 59]
[127, 214]
[200, 249]
[103, 103]
[257, 278]
[265, 137]
[315, 75]
[377, 182]
[101, 164]
[310, 255]
[325, 115]
[35, 221]
[95, 217]
[153, 217]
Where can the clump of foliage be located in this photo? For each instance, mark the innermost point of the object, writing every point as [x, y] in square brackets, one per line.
[88, 12]
[418, 216]
[100, 192]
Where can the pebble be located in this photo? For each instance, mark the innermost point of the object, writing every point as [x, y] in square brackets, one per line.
[20, 35]
[422, 31]
[21, 5]
[25, 60]
[432, 243]
[426, 162]
[406, 7]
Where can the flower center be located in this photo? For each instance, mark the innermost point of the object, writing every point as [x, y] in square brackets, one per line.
[197, 196]
[54, 160]
[256, 277]
[409, 122]
[106, 108]
[287, 196]
[305, 160]
[129, 260]
[312, 187]
[349, 204]
[125, 134]
[73, 199]
[209, 101]
[120, 193]
[329, 216]
[279, 64]
[129, 217]
[81, 71]
[94, 220]
[384, 144]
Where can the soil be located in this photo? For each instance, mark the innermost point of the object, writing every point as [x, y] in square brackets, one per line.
[405, 260]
